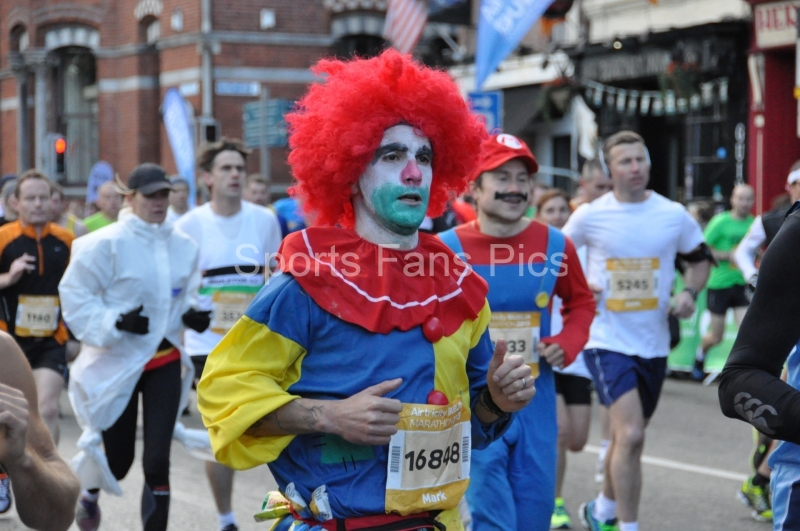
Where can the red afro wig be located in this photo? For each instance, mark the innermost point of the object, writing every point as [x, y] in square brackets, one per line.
[339, 125]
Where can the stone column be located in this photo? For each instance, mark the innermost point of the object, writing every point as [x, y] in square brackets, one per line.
[37, 59]
[20, 70]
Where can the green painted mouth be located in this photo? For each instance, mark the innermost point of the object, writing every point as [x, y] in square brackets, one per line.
[397, 216]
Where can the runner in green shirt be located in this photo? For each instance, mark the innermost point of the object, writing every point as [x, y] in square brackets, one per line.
[109, 200]
[726, 283]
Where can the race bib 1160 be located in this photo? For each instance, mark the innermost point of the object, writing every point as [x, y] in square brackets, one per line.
[37, 316]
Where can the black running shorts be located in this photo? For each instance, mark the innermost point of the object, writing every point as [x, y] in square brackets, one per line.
[719, 300]
[576, 390]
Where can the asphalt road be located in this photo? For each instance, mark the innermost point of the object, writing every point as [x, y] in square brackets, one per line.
[695, 461]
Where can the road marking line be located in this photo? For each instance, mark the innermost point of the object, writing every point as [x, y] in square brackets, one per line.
[684, 467]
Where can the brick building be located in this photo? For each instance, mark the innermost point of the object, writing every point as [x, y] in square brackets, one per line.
[96, 71]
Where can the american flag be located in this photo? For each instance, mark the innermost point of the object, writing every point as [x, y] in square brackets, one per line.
[405, 20]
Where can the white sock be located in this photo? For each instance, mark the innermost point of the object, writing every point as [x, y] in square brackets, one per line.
[88, 496]
[226, 520]
[699, 354]
[604, 509]
[603, 449]
[629, 526]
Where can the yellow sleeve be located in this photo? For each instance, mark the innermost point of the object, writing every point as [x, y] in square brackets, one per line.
[480, 324]
[246, 377]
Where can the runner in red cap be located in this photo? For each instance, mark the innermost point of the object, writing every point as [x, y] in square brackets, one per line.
[525, 263]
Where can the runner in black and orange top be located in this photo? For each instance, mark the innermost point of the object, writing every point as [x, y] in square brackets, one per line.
[34, 254]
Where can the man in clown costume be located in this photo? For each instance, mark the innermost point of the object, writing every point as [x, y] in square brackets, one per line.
[363, 374]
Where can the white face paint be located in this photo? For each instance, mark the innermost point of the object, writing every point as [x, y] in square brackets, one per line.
[395, 187]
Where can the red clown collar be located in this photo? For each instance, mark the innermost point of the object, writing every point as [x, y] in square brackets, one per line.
[384, 289]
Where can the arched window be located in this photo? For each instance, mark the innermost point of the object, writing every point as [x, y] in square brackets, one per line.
[149, 29]
[18, 39]
[76, 109]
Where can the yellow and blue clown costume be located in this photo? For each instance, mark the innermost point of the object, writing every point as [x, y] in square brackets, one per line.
[331, 324]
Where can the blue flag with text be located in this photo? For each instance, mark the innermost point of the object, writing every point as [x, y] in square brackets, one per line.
[179, 132]
[501, 26]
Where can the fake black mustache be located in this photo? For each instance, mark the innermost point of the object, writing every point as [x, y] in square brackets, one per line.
[514, 195]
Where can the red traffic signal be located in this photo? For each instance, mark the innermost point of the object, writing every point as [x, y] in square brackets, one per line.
[60, 146]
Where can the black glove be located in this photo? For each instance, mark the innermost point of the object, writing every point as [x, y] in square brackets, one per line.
[133, 322]
[196, 320]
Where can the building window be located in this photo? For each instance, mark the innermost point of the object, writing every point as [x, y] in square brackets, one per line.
[176, 20]
[19, 39]
[267, 19]
[153, 31]
[359, 45]
[76, 104]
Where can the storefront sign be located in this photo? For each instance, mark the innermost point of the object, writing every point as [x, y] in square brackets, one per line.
[626, 66]
[776, 24]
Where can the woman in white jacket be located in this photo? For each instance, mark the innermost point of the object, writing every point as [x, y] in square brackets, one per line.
[126, 296]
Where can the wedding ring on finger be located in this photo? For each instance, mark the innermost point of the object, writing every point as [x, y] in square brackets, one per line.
[524, 383]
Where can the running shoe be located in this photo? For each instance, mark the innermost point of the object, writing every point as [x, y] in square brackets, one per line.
[757, 499]
[6, 499]
[87, 515]
[593, 524]
[230, 527]
[698, 373]
[560, 518]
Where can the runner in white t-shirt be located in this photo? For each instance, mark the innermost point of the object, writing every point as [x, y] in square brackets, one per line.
[236, 240]
[633, 236]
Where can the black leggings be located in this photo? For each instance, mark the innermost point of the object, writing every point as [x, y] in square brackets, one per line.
[161, 393]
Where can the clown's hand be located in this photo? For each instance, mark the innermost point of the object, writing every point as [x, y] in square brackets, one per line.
[509, 380]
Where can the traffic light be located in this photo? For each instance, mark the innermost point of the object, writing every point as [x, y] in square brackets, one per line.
[60, 146]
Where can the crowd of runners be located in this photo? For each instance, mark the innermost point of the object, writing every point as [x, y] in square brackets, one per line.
[412, 341]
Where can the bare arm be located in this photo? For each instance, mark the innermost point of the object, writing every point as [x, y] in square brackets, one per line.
[45, 488]
[696, 274]
[18, 267]
[695, 277]
[721, 255]
[364, 418]
[80, 229]
[371, 419]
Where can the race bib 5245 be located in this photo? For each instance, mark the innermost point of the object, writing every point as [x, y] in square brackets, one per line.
[632, 284]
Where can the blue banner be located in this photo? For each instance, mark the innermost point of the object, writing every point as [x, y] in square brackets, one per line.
[100, 173]
[502, 24]
[178, 124]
